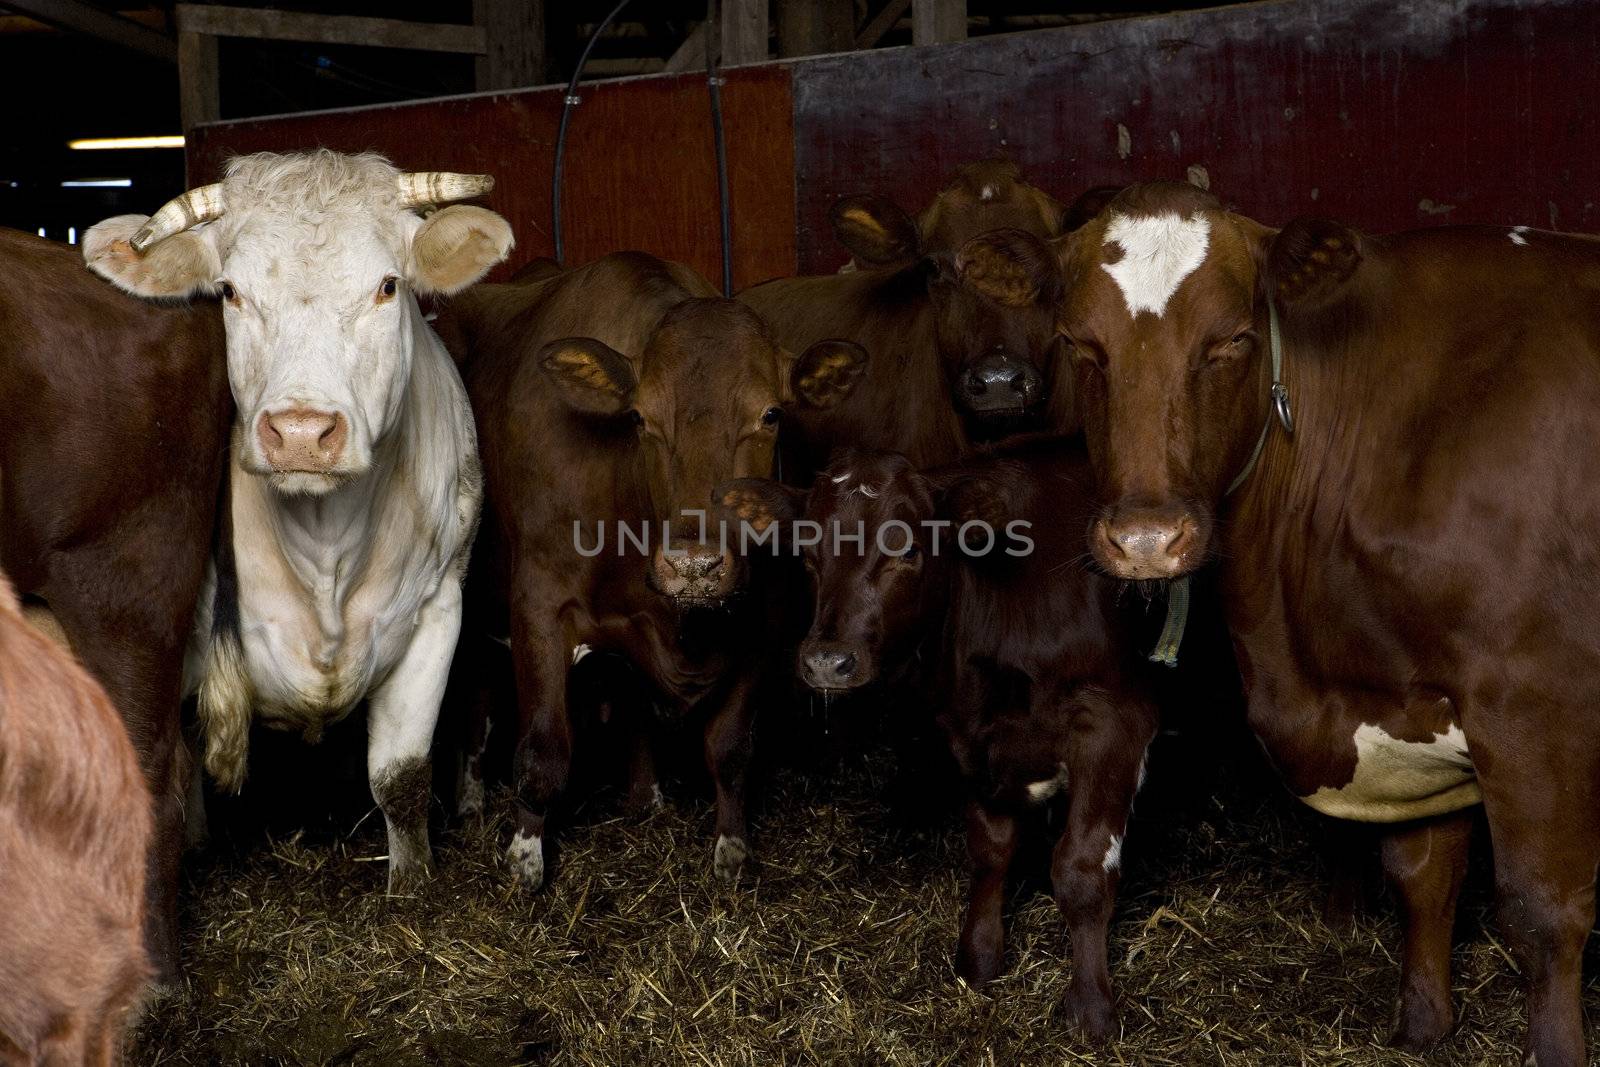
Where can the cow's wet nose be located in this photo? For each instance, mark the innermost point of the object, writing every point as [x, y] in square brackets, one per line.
[302, 439]
[1147, 544]
[694, 571]
[830, 666]
[1001, 382]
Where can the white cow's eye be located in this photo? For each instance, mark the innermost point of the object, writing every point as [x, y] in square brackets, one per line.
[388, 288]
[229, 293]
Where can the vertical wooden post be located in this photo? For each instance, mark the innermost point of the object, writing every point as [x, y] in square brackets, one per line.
[744, 31]
[938, 21]
[516, 55]
[199, 94]
[811, 27]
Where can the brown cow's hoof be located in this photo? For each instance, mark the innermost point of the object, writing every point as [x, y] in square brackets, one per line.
[1091, 1011]
[978, 967]
[729, 858]
[526, 856]
[1421, 1027]
[644, 800]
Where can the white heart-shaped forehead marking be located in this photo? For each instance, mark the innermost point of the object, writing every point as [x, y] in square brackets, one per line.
[1158, 253]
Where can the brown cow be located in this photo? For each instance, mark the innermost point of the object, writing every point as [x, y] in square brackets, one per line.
[1027, 661]
[950, 364]
[1412, 575]
[112, 451]
[615, 397]
[74, 842]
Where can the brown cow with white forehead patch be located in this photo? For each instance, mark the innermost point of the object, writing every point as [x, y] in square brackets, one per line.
[1413, 575]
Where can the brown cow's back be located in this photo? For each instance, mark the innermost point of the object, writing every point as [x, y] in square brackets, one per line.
[74, 829]
[113, 447]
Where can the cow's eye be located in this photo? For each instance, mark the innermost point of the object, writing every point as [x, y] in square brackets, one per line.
[390, 286]
[229, 293]
[636, 418]
[912, 554]
[1237, 345]
[771, 416]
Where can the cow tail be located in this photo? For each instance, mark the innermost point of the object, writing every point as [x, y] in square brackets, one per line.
[226, 696]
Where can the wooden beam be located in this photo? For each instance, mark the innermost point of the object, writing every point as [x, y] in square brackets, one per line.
[873, 32]
[514, 32]
[85, 18]
[814, 27]
[744, 32]
[691, 54]
[938, 21]
[199, 94]
[329, 29]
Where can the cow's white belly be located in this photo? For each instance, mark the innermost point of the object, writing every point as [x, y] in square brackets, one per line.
[1396, 780]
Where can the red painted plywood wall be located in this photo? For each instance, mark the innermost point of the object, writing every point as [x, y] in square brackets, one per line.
[640, 169]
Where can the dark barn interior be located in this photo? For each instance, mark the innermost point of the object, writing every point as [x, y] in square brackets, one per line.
[837, 945]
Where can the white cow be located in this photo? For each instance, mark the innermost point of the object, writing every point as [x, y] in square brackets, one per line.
[354, 484]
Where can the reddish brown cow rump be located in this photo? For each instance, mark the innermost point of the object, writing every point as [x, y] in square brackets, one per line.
[74, 830]
[1028, 662]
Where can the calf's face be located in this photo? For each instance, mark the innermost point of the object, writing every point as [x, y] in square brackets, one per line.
[316, 258]
[875, 577]
[993, 302]
[706, 398]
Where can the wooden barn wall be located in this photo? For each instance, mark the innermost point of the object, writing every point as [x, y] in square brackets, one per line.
[1385, 113]
[640, 167]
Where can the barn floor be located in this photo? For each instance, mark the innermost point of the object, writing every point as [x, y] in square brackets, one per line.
[838, 951]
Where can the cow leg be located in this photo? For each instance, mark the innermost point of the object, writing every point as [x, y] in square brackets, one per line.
[727, 750]
[401, 717]
[473, 674]
[991, 843]
[1543, 807]
[644, 785]
[1103, 771]
[543, 761]
[1426, 862]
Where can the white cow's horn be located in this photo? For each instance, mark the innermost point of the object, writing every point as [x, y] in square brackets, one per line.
[441, 187]
[192, 208]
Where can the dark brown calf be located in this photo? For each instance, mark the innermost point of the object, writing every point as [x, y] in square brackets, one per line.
[950, 364]
[112, 451]
[1028, 663]
[1412, 576]
[615, 397]
[74, 841]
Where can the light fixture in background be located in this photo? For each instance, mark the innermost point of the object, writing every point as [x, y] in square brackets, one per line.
[101, 144]
[99, 183]
[72, 235]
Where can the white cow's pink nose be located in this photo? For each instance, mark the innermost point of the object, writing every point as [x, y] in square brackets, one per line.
[303, 440]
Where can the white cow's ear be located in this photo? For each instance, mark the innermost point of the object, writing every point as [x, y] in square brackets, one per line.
[184, 264]
[456, 246]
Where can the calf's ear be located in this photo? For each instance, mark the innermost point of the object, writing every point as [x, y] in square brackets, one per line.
[825, 373]
[1013, 268]
[456, 246]
[963, 498]
[593, 377]
[1309, 262]
[185, 264]
[876, 230]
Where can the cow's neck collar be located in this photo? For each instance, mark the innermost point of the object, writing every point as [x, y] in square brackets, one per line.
[1166, 650]
[1279, 395]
